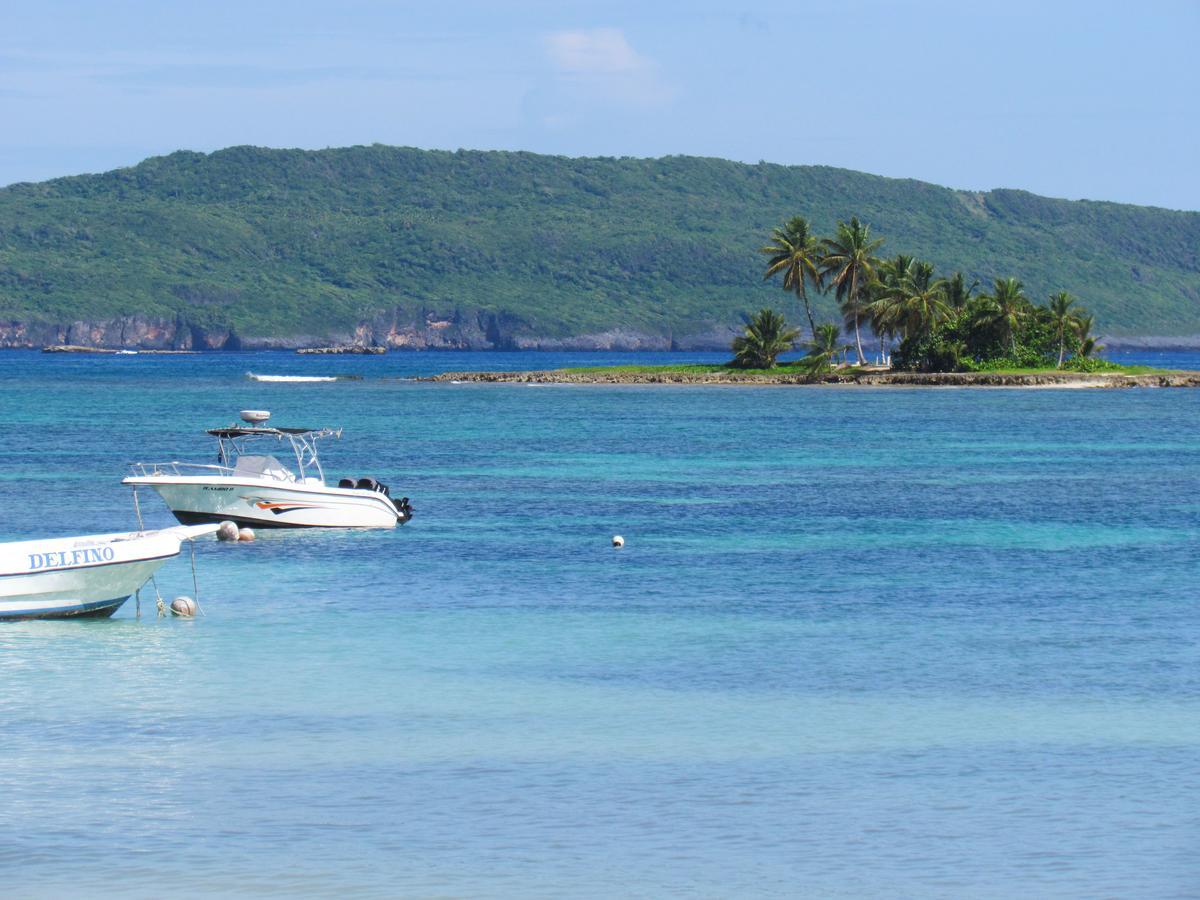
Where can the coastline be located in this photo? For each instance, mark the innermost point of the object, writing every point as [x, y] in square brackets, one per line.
[146, 335]
[1101, 380]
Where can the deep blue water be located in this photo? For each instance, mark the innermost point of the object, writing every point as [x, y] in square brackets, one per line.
[860, 643]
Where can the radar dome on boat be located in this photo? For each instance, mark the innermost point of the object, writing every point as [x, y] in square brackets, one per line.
[255, 416]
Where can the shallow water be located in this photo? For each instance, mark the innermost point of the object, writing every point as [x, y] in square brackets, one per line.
[861, 642]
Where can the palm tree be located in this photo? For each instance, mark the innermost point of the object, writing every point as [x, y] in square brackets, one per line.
[795, 252]
[892, 272]
[920, 274]
[825, 345]
[883, 314]
[848, 262]
[766, 336]
[1083, 330]
[907, 298]
[952, 354]
[887, 292]
[1008, 305]
[923, 307]
[956, 292]
[1063, 317]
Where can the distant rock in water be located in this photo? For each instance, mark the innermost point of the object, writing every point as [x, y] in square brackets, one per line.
[365, 351]
[75, 348]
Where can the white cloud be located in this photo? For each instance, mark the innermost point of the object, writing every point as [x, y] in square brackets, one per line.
[595, 51]
[599, 64]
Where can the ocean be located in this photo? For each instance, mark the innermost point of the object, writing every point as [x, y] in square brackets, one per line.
[860, 642]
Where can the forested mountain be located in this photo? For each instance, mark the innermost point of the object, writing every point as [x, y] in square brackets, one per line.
[250, 246]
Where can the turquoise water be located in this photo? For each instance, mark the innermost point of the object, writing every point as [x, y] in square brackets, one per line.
[860, 643]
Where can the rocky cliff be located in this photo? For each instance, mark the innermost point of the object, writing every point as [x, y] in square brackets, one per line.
[395, 329]
[122, 332]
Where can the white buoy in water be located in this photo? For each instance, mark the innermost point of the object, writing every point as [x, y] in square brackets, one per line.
[618, 541]
[245, 534]
[227, 531]
[184, 606]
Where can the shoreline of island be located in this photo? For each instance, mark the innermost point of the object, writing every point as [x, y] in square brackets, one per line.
[732, 377]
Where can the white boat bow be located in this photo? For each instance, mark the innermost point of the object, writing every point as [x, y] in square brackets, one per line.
[85, 575]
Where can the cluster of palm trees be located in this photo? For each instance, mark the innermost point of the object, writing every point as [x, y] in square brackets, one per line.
[938, 321]
[845, 262]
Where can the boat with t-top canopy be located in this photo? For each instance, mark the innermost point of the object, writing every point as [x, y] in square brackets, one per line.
[250, 487]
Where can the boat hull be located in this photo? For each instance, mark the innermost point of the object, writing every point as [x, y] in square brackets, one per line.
[86, 576]
[269, 504]
[101, 609]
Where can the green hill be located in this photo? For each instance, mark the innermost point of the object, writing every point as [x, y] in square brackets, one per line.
[417, 247]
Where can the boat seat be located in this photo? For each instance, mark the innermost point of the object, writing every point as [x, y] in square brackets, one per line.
[346, 483]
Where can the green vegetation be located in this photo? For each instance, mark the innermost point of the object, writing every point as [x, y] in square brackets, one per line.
[942, 326]
[796, 253]
[765, 336]
[288, 242]
[822, 350]
[848, 265]
[1065, 320]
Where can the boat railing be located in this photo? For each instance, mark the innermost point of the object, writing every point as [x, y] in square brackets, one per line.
[150, 470]
[195, 470]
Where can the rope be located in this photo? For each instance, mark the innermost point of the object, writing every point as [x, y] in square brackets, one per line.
[195, 583]
[138, 510]
[158, 600]
[162, 606]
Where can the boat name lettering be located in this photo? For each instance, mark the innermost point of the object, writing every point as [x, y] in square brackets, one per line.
[211, 488]
[53, 559]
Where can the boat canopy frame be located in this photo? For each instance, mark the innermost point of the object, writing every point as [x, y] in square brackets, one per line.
[232, 441]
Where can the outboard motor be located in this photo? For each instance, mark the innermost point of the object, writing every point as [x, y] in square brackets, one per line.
[346, 483]
[404, 508]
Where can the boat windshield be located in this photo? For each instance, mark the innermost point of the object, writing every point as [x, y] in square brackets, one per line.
[263, 467]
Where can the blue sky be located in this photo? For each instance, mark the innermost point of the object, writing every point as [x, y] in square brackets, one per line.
[1082, 100]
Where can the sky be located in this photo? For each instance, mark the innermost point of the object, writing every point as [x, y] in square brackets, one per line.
[1097, 100]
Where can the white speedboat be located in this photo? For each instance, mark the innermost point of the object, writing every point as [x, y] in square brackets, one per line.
[87, 575]
[253, 488]
[288, 379]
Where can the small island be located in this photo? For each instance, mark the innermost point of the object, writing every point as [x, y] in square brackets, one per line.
[930, 331]
[1129, 376]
